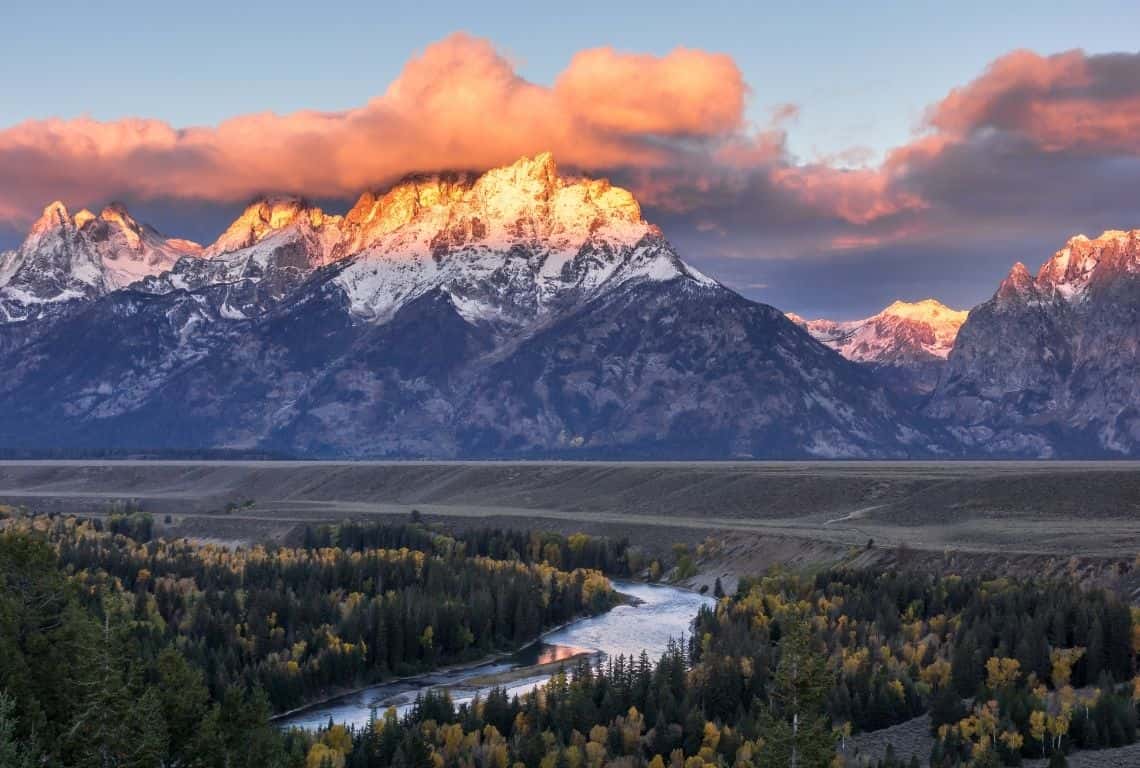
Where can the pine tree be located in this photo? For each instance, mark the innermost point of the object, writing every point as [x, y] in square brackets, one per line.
[184, 701]
[100, 736]
[149, 742]
[207, 749]
[795, 731]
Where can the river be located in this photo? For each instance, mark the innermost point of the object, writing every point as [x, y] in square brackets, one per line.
[661, 612]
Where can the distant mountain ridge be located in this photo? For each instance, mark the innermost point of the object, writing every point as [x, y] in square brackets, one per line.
[907, 343]
[512, 313]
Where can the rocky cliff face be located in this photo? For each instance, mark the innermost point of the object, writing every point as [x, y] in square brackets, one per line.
[681, 368]
[66, 259]
[267, 252]
[1050, 366]
[906, 344]
[516, 313]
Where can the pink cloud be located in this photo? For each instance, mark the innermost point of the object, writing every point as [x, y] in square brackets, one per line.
[671, 127]
[459, 104]
[685, 93]
[1065, 101]
[858, 196]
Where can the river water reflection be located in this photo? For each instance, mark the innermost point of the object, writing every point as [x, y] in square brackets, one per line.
[662, 613]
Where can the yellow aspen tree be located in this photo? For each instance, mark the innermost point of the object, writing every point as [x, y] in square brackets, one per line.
[1062, 660]
[1002, 672]
[632, 726]
[988, 722]
[1059, 727]
[1012, 740]
[322, 755]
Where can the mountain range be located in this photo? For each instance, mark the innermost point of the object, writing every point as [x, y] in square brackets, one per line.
[523, 313]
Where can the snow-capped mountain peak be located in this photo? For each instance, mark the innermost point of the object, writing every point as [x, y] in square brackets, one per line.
[1048, 366]
[927, 311]
[376, 215]
[1084, 261]
[507, 245]
[130, 250]
[53, 226]
[912, 339]
[54, 217]
[921, 329]
[527, 199]
[66, 258]
[264, 254]
[54, 265]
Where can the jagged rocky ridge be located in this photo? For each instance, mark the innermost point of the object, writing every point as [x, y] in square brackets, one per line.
[1050, 366]
[68, 259]
[513, 313]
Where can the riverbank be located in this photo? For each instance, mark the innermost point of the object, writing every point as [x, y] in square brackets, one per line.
[331, 698]
[523, 673]
[647, 618]
[445, 671]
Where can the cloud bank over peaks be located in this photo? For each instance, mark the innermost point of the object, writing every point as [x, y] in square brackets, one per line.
[1033, 149]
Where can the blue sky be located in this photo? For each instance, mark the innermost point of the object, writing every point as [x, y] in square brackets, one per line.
[861, 74]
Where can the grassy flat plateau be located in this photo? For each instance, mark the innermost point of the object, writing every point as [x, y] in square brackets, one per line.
[1043, 508]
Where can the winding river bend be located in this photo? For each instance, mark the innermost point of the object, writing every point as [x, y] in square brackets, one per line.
[662, 613]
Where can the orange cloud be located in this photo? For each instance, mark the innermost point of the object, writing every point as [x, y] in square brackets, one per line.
[460, 104]
[687, 92]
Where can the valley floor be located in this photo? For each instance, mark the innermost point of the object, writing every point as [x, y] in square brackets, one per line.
[1073, 518]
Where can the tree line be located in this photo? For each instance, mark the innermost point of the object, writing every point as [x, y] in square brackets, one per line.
[615, 557]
